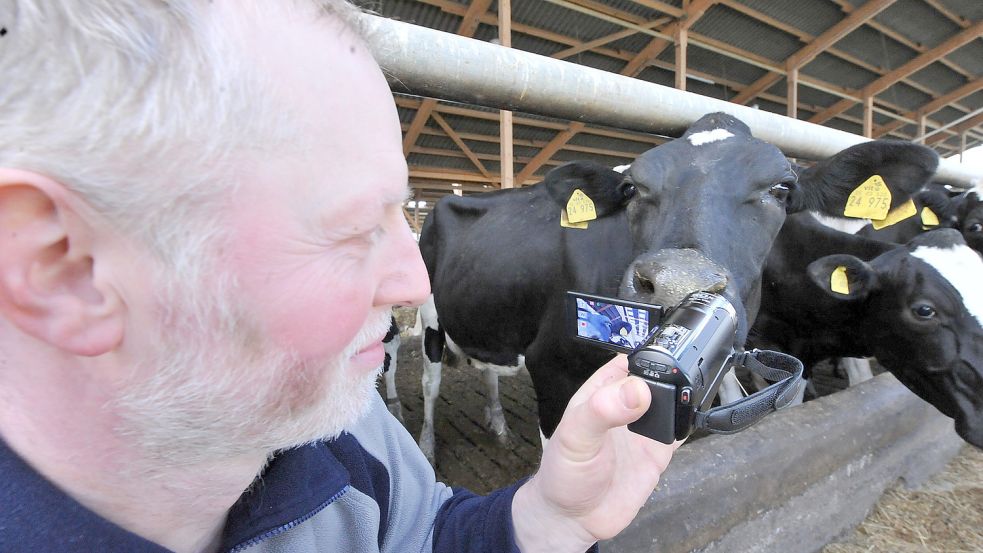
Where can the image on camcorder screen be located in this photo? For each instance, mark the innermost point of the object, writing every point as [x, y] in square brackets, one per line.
[618, 325]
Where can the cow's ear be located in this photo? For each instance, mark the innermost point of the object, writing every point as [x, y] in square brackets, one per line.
[607, 190]
[843, 277]
[826, 187]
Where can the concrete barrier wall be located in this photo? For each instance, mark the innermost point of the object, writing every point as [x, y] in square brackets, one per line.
[797, 480]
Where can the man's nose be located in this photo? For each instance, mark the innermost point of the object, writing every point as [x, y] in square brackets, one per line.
[407, 282]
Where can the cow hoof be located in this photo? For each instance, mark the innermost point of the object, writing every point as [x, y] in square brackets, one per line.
[396, 408]
[426, 446]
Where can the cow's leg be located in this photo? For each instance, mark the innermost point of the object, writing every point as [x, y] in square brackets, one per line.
[391, 345]
[730, 389]
[494, 414]
[490, 372]
[857, 369]
[433, 350]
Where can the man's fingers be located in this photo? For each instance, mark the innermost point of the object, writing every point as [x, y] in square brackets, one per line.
[617, 402]
[616, 368]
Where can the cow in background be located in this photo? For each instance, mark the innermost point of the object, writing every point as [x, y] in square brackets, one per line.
[698, 213]
[963, 212]
[917, 308]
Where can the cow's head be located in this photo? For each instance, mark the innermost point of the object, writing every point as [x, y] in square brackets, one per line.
[710, 204]
[924, 319]
[969, 217]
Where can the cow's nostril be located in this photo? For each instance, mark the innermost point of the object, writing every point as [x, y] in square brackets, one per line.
[644, 285]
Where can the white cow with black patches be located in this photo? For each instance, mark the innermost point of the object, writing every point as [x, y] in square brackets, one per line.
[917, 308]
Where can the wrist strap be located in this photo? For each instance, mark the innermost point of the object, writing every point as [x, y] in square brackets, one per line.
[782, 369]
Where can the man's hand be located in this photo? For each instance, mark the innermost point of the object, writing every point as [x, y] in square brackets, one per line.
[595, 474]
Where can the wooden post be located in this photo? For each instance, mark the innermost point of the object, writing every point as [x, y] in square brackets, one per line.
[920, 137]
[869, 115]
[682, 36]
[505, 117]
[792, 95]
[962, 144]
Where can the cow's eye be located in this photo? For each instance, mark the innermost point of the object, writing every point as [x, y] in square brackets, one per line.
[629, 191]
[780, 190]
[923, 311]
[975, 227]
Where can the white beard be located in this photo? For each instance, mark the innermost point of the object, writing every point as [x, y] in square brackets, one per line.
[232, 393]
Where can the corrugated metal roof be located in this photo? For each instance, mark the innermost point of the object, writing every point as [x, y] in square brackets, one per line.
[811, 17]
[734, 28]
[918, 21]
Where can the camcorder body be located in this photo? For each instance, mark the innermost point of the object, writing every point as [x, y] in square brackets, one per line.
[683, 365]
[682, 357]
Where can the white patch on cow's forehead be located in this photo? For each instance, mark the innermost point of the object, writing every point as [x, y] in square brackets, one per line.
[622, 168]
[963, 268]
[705, 137]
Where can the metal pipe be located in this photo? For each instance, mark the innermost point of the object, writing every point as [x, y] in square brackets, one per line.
[432, 63]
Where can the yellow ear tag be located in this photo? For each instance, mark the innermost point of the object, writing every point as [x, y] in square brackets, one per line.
[896, 215]
[565, 223]
[870, 200]
[929, 218]
[838, 281]
[580, 208]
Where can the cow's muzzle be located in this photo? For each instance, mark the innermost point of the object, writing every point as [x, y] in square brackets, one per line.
[665, 277]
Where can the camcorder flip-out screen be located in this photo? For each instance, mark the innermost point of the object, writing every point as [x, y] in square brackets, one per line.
[613, 324]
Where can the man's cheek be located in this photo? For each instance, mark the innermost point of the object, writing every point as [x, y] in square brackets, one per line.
[317, 329]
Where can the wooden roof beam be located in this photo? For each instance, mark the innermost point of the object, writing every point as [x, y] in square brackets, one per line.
[933, 106]
[957, 129]
[460, 143]
[562, 54]
[919, 62]
[829, 37]
[847, 7]
[547, 152]
[656, 46]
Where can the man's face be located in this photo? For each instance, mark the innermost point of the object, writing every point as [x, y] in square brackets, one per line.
[318, 253]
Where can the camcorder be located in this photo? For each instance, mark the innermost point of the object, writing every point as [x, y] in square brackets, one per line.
[682, 354]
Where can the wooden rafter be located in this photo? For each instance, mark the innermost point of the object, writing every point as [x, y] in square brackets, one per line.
[829, 37]
[586, 46]
[919, 62]
[547, 152]
[847, 7]
[469, 24]
[656, 46]
[460, 143]
[957, 129]
[933, 106]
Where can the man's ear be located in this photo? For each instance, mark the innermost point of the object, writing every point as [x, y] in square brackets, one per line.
[48, 284]
[843, 277]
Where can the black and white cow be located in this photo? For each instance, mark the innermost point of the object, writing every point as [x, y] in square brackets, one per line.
[963, 212]
[697, 213]
[917, 308]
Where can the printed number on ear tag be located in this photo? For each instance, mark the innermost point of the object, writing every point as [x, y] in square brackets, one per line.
[929, 219]
[870, 200]
[565, 223]
[896, 215]
[580, 208]
[838, 281]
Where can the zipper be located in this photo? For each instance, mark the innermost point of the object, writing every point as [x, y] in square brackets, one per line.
[281, 529]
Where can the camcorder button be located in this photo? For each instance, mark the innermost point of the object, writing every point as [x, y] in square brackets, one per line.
[684, 395]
